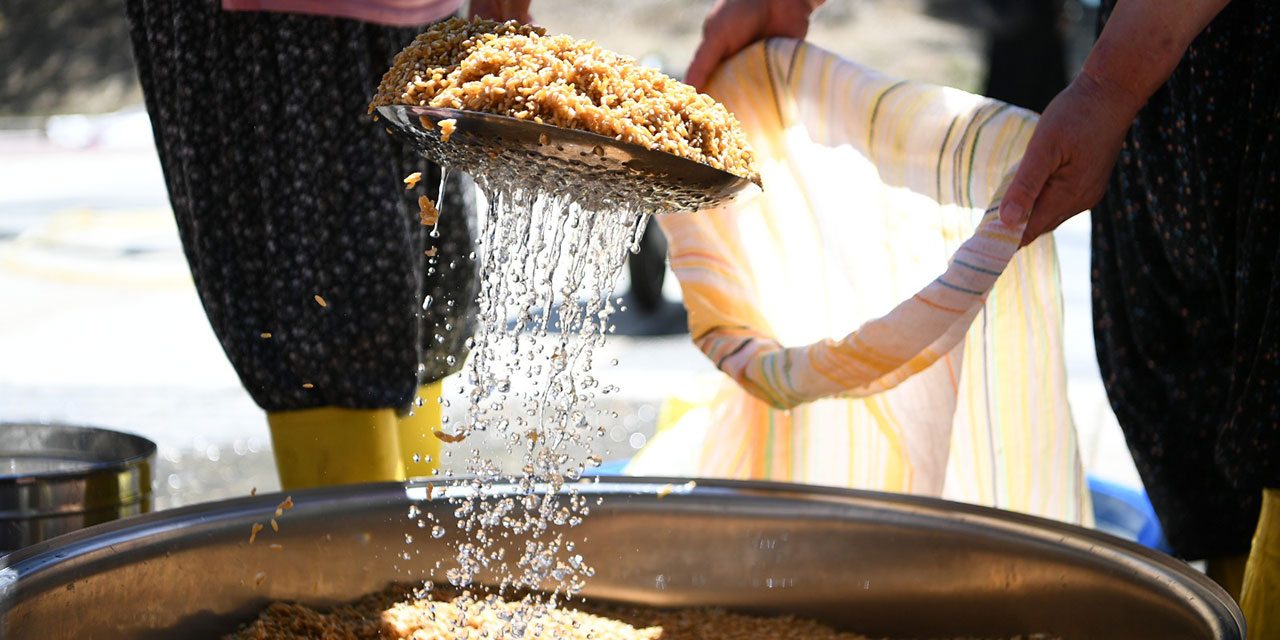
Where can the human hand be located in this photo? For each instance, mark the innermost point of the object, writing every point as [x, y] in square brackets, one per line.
[1070, 156]
[502, 10]
[731, 25]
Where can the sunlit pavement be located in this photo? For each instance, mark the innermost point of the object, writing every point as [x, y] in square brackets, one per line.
[100, 324]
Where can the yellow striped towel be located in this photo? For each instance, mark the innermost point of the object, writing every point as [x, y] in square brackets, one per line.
[851, 361]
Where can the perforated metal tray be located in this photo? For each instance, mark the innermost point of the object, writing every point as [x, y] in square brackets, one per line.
[559, 159]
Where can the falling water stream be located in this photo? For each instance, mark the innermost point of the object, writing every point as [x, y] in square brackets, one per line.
[548, 265]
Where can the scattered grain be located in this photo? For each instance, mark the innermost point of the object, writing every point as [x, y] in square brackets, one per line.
[396, 613]
[446, 128]
[430, 215]
[445, 437]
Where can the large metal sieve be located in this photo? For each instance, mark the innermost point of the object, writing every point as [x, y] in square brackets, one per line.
[563, 160]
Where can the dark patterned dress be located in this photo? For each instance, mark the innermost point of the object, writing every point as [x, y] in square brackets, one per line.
[1186, 247]
[284, 190]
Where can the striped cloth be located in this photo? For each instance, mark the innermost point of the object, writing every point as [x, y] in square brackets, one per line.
[948, 385]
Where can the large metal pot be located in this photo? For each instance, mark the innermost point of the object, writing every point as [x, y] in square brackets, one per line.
[58, 478]
[874, 563]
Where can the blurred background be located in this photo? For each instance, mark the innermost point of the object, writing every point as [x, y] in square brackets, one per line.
[99, 321]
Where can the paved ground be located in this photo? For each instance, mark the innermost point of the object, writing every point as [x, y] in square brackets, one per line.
[100, 324]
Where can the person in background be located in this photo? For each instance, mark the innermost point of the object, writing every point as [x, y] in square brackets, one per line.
[1026, 53]
[304, 244]
[1169, 134]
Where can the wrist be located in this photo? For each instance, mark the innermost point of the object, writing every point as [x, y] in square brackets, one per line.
[1121, 98]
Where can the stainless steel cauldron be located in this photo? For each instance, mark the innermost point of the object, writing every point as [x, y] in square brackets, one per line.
[874, 563]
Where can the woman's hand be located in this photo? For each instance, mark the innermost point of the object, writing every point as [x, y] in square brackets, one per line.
[1070, 156]
[502, 10]
[732, 25]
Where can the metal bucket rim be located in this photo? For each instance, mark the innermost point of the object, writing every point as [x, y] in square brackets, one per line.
[46, 554]
[39, 569]
[143, 448]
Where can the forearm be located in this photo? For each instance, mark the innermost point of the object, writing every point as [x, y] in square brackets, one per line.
[1142, 43]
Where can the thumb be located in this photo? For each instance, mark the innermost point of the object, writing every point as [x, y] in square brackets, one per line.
[1028, 182]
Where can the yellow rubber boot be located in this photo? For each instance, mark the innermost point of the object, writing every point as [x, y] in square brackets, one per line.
[1260, 599]
[419, 446]
[328, 446]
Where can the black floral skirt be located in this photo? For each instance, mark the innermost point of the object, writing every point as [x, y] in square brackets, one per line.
[1186, 252]
[288, 194]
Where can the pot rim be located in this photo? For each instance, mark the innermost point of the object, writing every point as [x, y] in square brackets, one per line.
[142, 450]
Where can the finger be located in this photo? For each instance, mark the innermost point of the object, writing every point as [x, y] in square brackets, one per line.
[1034, 170]
[482, 9]
[1054, 206]
[519, 10]
[709, 54]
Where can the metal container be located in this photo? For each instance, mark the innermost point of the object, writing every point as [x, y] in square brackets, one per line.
[879, 564]
[60, 478]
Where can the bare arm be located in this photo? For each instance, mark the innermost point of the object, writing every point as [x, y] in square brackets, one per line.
[1144, 40]
[1069, 159]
